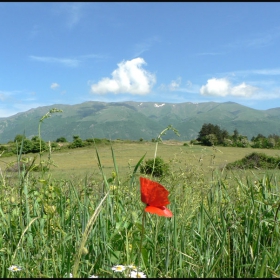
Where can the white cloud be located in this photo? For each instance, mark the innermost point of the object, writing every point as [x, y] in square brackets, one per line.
[71, 13]
[69, 62]
[65, 61]
[258, 40]
[7, 95]
[268, 72]
[175, 84]
[129, 77]
[145, 45]
[75, 14]
[2, 96]
[222, 87]
[54, 85]
[5, 113]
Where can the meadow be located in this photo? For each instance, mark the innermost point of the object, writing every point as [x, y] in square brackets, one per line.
[84, 214]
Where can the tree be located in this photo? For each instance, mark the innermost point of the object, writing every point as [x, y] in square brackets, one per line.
[211, 134]
[35, 138]
[26, 148]
[211, 139]
[224, 135]
[160, 169]
[36, 145]
[61, 139]
[77, 142]
[235, 135]
[19, 137]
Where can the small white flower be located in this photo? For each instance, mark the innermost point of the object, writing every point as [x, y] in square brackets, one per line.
[135, 274]
[15, 268]
[132, 267]
[118, 268]
[70, 275]
[93, 276]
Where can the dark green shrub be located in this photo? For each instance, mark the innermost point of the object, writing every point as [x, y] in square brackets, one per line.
[161, 168]
[3, 148]
[256, 160]
[36, 146]
[18, 138]
[61, 139]
[54, 145]
[77, 142]
[194, 142]
[27, 147]
[101, 141]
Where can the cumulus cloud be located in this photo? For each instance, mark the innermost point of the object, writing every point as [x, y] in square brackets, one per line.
[54, 85]
[222, 87]
[129, 77]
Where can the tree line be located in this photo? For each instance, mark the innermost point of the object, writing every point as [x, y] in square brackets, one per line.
[211, 134]
[208, 135]
[35, 145]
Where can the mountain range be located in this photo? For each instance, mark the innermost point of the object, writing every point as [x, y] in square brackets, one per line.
[135, 120]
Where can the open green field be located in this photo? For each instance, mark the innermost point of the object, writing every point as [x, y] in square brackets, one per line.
[84, 219]
[81, 161]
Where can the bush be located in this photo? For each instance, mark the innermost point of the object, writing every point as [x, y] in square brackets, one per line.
[61, 139]
[18, 138]
[3, 148]
[54, 145]
[101, 141]
[77, 143]
[27, 147]
[256, 160]
[194, 142]
[36, 146]
[161, 168]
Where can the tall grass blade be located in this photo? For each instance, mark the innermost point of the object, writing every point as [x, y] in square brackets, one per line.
[136, 168]
[85, 236]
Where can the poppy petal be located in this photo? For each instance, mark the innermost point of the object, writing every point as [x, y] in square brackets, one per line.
[161, 211]
[153, 193]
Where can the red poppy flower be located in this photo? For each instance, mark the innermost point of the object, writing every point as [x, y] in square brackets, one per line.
[155, 196]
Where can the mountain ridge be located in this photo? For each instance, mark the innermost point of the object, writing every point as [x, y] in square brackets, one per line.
[135, 120]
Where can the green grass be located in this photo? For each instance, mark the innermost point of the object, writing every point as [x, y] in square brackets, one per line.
[85, 215]
[81, 161]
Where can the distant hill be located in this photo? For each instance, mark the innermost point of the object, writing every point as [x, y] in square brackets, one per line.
[135, 120]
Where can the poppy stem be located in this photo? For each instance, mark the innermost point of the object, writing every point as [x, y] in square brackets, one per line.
[141, 240]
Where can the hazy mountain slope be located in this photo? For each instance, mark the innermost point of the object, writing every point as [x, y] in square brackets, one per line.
[135, 120]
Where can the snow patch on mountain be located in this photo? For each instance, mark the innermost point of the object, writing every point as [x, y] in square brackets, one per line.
[157, 106]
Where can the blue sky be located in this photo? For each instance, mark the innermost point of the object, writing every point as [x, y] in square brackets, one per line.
[69, 53]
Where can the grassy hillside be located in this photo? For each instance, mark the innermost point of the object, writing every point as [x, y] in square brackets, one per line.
[134, 120]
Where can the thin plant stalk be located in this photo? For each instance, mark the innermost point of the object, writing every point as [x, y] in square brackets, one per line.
[141, 240]
[28, 226]
[47, 115]
[85, 236]
[159, 139]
